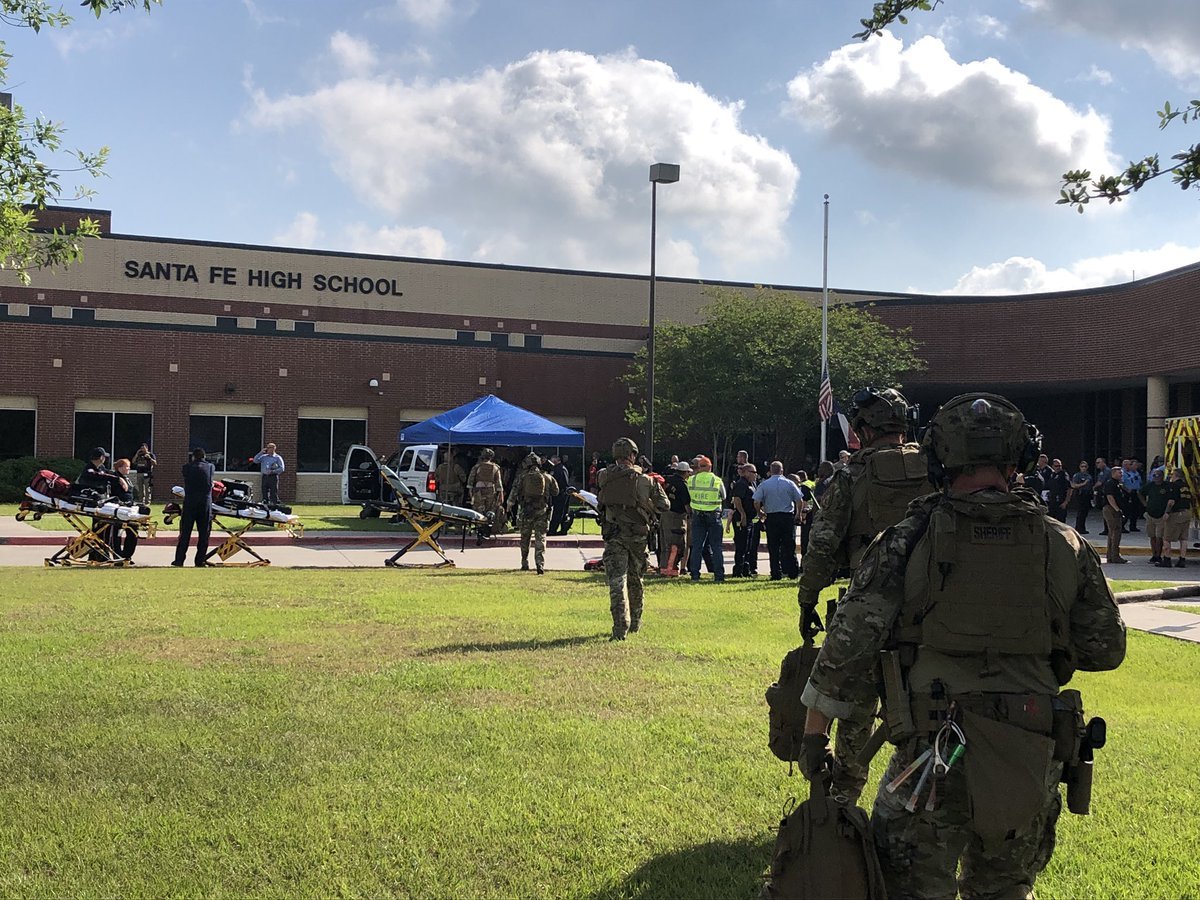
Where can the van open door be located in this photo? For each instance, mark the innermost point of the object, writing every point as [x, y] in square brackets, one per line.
[360, 476]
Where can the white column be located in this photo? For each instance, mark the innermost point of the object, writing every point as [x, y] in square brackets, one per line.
[1157, 409]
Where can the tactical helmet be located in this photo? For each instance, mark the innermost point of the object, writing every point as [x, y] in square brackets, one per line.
[979, 429]
[532, 461]
[623, 448]
[488, 453]
[884, 411]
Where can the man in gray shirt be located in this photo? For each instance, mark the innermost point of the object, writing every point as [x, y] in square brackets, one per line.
[778, 499]
[271, 465]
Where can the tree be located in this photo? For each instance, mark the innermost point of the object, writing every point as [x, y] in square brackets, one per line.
[1079, 186]
[753, 366]
[27, 182]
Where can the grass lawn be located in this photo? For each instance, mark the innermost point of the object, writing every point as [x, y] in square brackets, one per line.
[462, 733]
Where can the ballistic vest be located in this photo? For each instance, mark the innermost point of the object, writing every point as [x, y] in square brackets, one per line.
[983, 611]
[618, 486]
[889, 479]
[705, 488]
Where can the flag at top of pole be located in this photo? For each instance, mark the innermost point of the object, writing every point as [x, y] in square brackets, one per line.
[825, 398]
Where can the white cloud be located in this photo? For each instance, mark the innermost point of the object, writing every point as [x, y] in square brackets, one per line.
[424, 243]
[426, 13]
[355, 56]
[1164, 29]
[303, 231]
[546, 161]
[990, 26]
[1025, 275]
[1098, 75]
[258, 16]
[976, 124]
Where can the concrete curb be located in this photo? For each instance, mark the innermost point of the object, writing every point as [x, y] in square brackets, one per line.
[1157, 594]
[317, 539]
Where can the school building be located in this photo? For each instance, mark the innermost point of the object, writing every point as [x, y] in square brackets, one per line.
[228, 346]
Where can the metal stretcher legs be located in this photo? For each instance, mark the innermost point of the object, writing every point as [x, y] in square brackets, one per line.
[427, 528]
[89, 547]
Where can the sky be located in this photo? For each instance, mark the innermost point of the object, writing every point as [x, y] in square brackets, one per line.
[521, 132]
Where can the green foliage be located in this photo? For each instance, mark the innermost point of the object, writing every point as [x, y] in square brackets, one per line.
[371, 733]
[1079, 186]
[27, 181]
[754, 365]
[15, 474]
[884, 14]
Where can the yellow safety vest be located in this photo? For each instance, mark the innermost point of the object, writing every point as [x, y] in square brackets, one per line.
[705, 488]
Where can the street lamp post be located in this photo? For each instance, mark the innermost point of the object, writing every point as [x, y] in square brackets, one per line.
[660, 173]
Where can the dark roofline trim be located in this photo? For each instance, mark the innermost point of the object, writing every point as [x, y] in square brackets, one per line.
[5, 316]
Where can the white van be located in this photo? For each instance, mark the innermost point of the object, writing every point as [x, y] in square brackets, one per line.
[415, 464]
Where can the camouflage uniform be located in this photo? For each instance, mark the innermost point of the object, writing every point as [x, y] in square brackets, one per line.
[534, 515]
[831, 548]
[487, 491]
[920, 851]
[451, 479]
[625, 525]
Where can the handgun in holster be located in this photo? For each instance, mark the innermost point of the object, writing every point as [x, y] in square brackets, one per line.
[1075, 744]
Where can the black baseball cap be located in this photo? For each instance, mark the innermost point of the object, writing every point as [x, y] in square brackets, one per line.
[97, 453]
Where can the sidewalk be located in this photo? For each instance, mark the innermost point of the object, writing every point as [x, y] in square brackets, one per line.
[23, 545]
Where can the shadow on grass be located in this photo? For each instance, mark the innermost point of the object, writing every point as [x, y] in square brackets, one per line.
[502, 646]
[718, 869]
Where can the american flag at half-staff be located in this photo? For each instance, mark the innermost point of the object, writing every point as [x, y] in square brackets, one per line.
[825, 397]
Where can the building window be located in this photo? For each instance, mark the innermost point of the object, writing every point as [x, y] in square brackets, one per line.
[322, 444]
[17, 430]
[120, 433]
[230, 442]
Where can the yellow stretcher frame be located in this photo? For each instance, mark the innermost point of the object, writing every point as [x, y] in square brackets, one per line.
[80, 548]
[235, 528]
[1182, 439]
[426, 526]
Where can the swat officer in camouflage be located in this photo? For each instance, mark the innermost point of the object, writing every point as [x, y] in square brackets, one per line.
[869, 493]
[628, 502]
[976, 608]
[534, 490]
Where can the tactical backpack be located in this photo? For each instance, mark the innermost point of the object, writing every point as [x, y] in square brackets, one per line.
[824, 850]
[785, 711]
[890, 479]
[533, 487]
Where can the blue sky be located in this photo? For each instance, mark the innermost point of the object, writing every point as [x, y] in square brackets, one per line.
[522, 133]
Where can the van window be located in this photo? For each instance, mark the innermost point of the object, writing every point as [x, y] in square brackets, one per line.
[406, 460]
[425, 460]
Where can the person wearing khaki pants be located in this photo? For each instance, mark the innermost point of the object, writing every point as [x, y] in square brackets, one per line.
[1112, 492]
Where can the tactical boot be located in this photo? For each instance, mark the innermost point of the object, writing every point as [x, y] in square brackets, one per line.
[1180, 563]
[634, 625]
[524, 565]
[1163, 563]
[541, 571]
[617, 636]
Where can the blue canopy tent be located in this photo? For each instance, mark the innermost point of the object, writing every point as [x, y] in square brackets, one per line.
[489, 420]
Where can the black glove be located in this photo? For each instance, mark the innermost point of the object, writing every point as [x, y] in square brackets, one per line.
[810, 622]
[816, 756]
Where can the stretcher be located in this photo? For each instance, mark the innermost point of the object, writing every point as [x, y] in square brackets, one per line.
[427, 517]
[98, 521]
[235, 514]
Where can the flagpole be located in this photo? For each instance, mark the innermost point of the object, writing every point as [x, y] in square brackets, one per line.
[825, 319]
